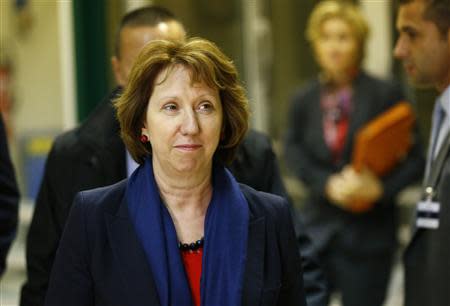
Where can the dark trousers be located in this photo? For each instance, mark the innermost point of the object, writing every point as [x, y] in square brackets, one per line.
[361, 280]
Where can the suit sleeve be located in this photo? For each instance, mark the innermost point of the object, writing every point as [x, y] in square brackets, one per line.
[315, 282]
[299, 161]
[70, 281]
[44, 234]
[9, 199]
[292, 291]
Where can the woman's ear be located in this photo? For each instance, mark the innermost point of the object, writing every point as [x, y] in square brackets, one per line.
[144, 131]
[144, 135]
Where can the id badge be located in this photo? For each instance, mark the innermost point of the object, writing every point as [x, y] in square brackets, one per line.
[428, 214]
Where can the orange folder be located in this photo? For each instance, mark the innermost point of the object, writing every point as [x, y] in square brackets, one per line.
[385, 140]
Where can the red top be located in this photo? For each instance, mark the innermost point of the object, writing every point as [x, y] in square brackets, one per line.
[193, 266]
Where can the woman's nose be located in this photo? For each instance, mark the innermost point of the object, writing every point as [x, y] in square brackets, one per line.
[190, 124]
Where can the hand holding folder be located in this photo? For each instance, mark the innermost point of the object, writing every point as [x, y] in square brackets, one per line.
[381, 144]
[354, 191]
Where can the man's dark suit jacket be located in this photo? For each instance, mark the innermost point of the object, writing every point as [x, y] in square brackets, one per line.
[101, 262]
[93, 155]
[310, 160]
[9, 199]
[427, 257]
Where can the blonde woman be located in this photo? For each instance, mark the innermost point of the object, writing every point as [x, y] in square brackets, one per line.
[356, 248]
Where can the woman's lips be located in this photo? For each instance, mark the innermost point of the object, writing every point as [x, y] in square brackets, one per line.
[188, 147]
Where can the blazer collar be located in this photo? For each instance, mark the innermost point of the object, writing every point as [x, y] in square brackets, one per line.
[136, 272]
[358, 117]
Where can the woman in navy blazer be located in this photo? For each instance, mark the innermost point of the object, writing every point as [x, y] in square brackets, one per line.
[181, 230]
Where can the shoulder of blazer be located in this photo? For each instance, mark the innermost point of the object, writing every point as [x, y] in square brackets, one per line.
[256, 147]
[382, 88]
[263, 204]
[102, 124]
[97, 131]
[256, 138]
[307, 91]
[109, 198]
[106, 199]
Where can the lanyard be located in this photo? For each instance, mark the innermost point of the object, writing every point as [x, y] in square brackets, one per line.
[436, 168]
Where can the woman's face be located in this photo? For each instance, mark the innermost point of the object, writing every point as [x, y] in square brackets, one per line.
[183, 122]
[336, 48]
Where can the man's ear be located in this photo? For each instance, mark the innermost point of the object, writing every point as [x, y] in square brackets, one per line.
[115, 63]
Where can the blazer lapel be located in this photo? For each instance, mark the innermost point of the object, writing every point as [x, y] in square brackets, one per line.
[358, 117]
[435, 168]
[131, 259]
[254, 270]
[317, 123]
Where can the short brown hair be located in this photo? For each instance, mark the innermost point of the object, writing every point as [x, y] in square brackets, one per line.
[149, 16]
[436, 11]
[344, 10]
[207, 64]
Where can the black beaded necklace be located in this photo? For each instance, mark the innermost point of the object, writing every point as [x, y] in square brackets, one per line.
[191, 247]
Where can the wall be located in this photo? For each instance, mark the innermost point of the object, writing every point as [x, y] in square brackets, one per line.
[34, 54]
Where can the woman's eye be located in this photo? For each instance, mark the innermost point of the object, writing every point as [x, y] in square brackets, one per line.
[170, 107]
[205, 107]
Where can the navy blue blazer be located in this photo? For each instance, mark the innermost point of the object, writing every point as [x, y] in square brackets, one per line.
[93, 154]
[9, 199]
[100, 260]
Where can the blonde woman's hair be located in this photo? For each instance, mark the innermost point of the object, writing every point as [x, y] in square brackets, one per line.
[345, 11]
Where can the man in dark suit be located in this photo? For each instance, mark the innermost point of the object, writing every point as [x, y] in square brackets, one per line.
[9, 199]
[93, 155]
[424, 47]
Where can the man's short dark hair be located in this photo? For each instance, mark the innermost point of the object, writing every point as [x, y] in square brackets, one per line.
[436, 11]
[150, 16]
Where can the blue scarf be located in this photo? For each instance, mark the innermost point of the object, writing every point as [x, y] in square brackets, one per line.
[225, 246]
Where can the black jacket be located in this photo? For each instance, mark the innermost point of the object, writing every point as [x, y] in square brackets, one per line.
[308, 156]
[93, 155]
[9, 199]
[101, 262]
[427, 257]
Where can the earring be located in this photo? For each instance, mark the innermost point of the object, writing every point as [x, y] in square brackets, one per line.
[144, 138]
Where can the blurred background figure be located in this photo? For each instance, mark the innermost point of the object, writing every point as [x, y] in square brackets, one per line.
[356, 249]
[424, 48]
[9, 199]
